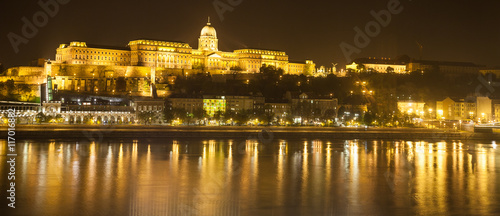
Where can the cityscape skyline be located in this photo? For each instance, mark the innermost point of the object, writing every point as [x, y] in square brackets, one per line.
[234, 107]
[402, 35]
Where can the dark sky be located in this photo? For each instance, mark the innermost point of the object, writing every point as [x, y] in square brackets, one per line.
[449, 30]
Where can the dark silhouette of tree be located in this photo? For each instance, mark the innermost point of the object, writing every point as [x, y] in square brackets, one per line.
[390, 70]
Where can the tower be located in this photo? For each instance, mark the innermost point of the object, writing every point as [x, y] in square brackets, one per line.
[208, 39]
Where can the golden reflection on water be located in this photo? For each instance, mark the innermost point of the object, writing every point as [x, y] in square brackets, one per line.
[230, 177]
[280, 172]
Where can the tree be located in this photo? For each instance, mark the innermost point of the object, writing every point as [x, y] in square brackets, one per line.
[361, 67]
[230, 115]
[309, 70]
[390, 69]
[59, 118]
[264, 114]
[219, 116]
[121, 84]
[268, 117]
[144, 85]
[41, 117]
[24, 90]
[368, 118]
[270, 71]
[243, 117]
[169, 114]
[146, 117]
[172, 114]
[198, 66]
[329, 114]
[304, 109]
[236, 68]
[10, 87]
[199, 114]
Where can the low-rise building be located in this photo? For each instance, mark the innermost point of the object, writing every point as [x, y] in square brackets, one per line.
[496, 110]
[412, 107]
[214, 104]
[471, 108]
[149, 110]
[239, 103]
[151, 105]
[445, 67]
[312, 105]
[25, 112]
[281, 109]
[188, 103]
[379, 65]
[484, 109]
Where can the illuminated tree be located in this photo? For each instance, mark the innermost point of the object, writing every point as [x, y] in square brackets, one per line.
[361, 67]
[368, 118]
[59, 118]
[219, 116]
[243, 117]
[147, 117]
[199, 114]
[329, 114]
[236, 68]
[9, 84]
[41, 118]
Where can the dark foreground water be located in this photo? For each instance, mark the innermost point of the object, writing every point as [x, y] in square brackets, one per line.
[251, 177]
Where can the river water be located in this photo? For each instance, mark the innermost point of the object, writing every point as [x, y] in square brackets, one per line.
[252, 177]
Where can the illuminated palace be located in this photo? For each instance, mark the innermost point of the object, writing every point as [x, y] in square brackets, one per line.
[165, 55]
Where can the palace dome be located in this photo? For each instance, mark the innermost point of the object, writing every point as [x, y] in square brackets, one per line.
[208, 30]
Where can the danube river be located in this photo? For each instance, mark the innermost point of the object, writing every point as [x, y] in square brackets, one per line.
[253, 177]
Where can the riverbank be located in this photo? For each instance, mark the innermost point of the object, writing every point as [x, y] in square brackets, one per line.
[134, 131]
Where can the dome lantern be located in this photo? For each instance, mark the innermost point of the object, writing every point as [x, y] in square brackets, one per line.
[209, 30]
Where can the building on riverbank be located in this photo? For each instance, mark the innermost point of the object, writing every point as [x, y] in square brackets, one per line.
[378, 65]
[479, 109]
[25, 112]
[412, 107]
[137, 68]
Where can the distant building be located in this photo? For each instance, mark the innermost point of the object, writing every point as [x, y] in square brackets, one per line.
[239, 103]
[88, 113]
[445, 67]
[496, 72]
[471, 108]
[25, 112]
[456, 109]
[379, 65]
[496, 112]
[214, 104]
[323, 105]
[188, 103]
[484, 109]
[323, 71]
[149, 105]
[412, 107]
[136, 68]
[152, 107]
[281, 109]
[402, 65]
[38, 62]
[179, 55]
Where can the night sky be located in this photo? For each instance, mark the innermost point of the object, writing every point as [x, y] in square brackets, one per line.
[449, 30]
